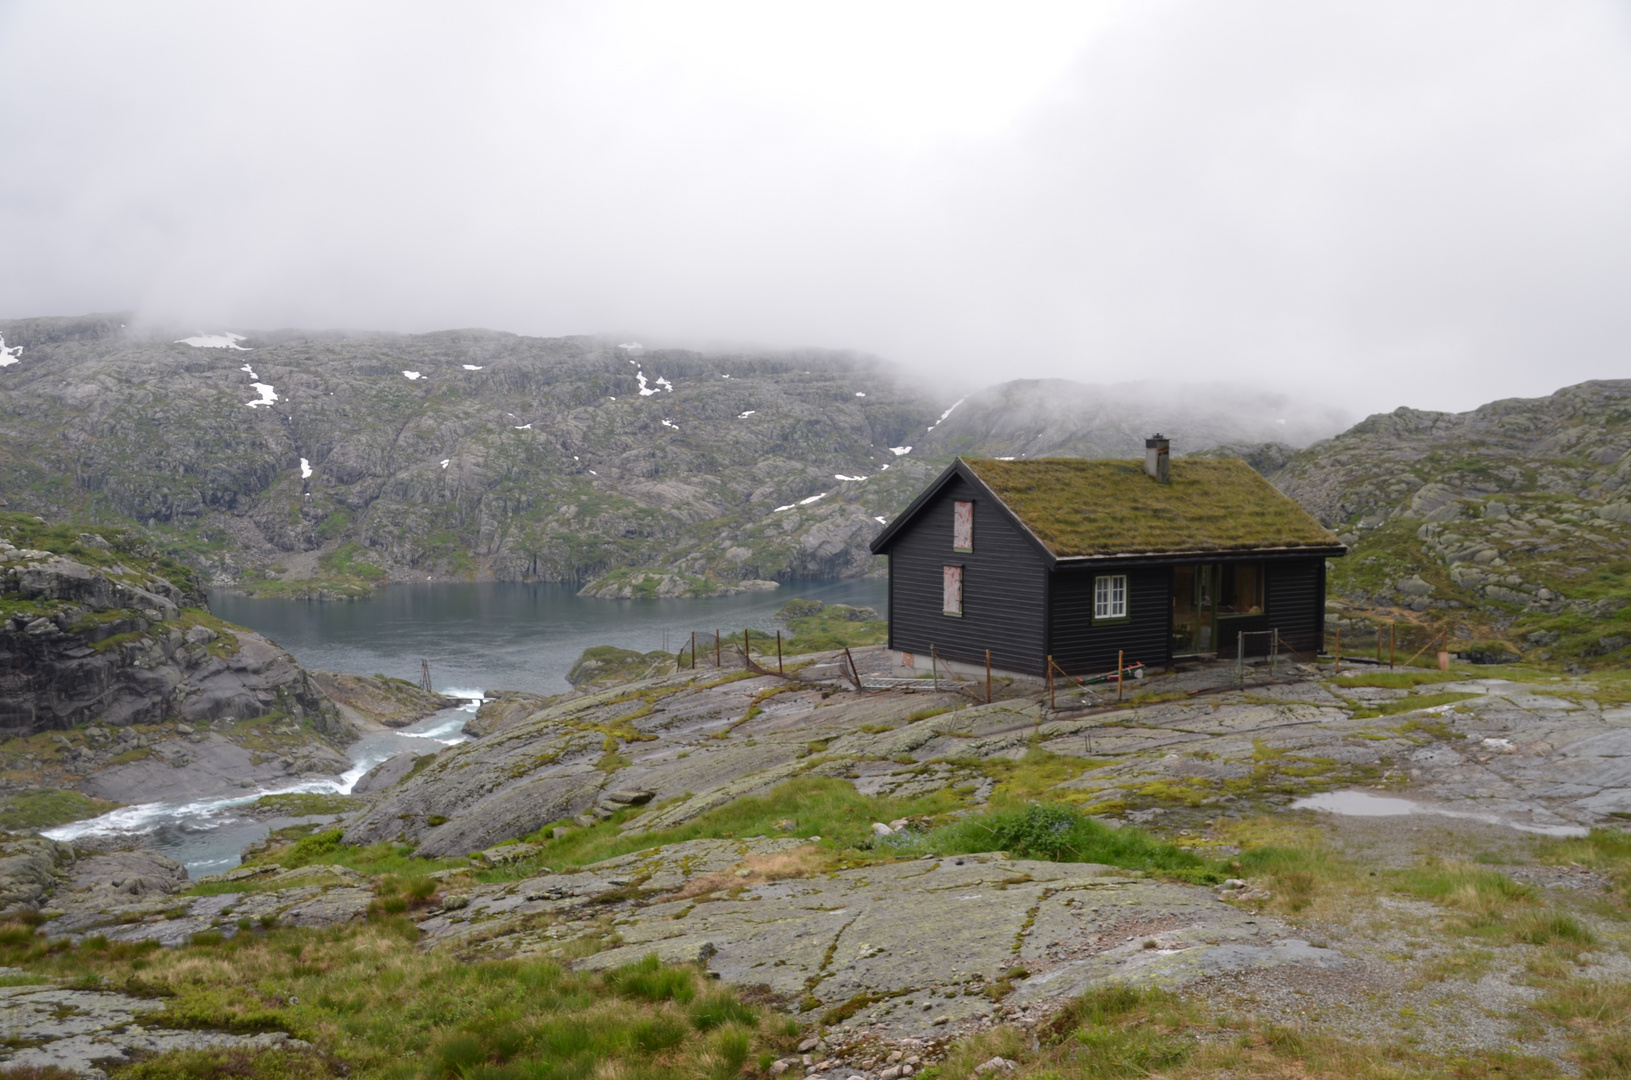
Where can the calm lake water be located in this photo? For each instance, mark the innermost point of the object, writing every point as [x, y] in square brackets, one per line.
[501, 636]
[477, 637]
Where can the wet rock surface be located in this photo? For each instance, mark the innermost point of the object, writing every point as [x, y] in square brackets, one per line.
[84, 1031]
[1543, 756]
[903, 949]
[376, 699]
[120, 644]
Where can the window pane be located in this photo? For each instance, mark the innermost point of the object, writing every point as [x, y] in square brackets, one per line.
[952, 590]
[962, 526]
[1110, 596]
[1242, 592]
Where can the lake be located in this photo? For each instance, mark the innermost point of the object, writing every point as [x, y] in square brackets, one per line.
[505, 636]
[477, 637]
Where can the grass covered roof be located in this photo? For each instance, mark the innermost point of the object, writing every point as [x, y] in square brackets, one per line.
[1079, 507]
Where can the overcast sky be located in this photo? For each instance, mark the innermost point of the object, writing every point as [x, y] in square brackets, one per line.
[1371, 203]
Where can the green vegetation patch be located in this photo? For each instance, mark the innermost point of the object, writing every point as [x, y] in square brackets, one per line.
[307, 803]
[607, 665]
[804, 807]
[1413, 703]
[346, 573]
[110, 548]
[818, 627]
[1397, 680]
[42, 808]
[1059, 833]
[376, 1007]
[1083, 507]
[352, 561]
[310, 845]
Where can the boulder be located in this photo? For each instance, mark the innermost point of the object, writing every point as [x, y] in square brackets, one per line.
[30, 870]
[388, 772]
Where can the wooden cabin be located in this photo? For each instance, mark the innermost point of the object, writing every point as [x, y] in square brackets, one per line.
[1079, 560]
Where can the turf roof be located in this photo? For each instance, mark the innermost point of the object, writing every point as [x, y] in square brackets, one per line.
[1078, 507]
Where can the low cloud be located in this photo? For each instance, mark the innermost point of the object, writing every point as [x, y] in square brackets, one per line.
[1369, 204]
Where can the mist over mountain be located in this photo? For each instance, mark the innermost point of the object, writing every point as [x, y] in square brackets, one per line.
[1059, 417]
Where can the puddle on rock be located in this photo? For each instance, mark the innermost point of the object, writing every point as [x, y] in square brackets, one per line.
[1365, 804]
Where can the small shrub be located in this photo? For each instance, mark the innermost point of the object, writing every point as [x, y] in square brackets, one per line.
[721, 1008]
[312, 848]
[457, 1054]
[659, 1033]
[1061, 833]
[1553, 930]
[730, 1048]
[648, 980]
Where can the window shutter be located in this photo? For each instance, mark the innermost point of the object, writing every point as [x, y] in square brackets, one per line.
[951, 584]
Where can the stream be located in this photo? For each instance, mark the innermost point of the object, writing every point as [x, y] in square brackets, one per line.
[206, 835]
[475, 637]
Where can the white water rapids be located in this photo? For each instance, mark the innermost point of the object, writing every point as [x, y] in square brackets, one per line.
[207, 834]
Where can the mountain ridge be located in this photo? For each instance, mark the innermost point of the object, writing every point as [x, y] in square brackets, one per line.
[371, 456]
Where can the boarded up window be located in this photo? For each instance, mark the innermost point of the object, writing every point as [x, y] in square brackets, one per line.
[962, 526]
[1110, 596]
[952, 590]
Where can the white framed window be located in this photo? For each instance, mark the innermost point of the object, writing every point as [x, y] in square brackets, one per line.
[951, 590]
[1110, 596]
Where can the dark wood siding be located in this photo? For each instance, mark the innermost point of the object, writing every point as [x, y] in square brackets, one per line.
[1294, 595]
[1296, 603]
[1003, 587]
[1255, 627]
[1082, 648]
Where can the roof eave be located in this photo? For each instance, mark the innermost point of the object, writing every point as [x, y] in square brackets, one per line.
[885, 538]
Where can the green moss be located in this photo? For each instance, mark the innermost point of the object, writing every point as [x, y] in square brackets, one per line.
[819, 806]
[1397, 680]
[351, 561]
[43, 808]
[823, 635]
[1082, 507]
[1412, 703]
[1062, 833]
[307, 803]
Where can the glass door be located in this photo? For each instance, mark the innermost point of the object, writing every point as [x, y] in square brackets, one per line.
[1194, 609]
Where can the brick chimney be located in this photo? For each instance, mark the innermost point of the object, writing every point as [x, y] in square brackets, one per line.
[1157, 452]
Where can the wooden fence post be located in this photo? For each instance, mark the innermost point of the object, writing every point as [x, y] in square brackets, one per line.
[745, 648]
[1121, 660]
[779, 653]
[718, 653]
[855, 672]
[693, 650]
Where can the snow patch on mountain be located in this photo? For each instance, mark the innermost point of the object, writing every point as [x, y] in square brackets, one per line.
[214, 341]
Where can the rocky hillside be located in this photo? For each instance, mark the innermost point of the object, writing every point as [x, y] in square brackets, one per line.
[276, 460]
[326, 463]
[118, 684]
[1510, 523]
